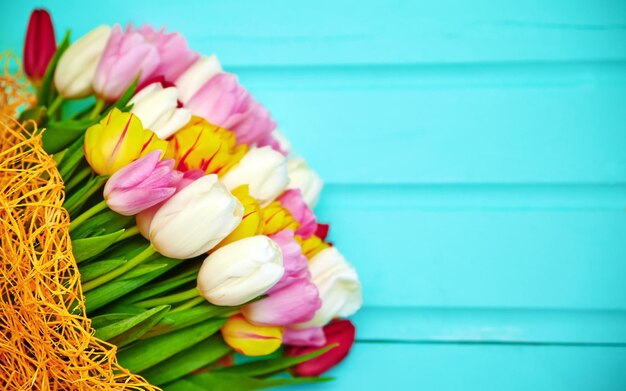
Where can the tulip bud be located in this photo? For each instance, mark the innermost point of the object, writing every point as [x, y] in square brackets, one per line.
[249, 339]
[312, 336]
[303, 178]
[126, 55]
[277, 218]
[40, 44]
[195, 219]
[116, 141]
[141, 184]
[196, 76]
[338, 285]
[252, 221]
[157, 107]
[340, 332]
[207, 147]
[292, 200]
[293, 303]
[264, 170]
[294, 263]
[74, 74]
[240, 271]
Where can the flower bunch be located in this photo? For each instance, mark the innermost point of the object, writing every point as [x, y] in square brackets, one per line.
[191, 222]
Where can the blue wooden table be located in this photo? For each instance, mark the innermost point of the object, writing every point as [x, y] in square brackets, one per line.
[474, 154]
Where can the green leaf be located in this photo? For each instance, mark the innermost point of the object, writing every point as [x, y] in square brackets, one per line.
[89, 247]
[96, 269]
[107, 319]
[109, 292]
[80, 197]
[59, 135]
[105, 222]
[38, 114]
[71, 159]
[266, 367]
[122, 102]
[216, 381]
[131, 329]
[140, 270]
[179, 320]
[187, 361]
[149, 352]
[163, 286]
[46, 84]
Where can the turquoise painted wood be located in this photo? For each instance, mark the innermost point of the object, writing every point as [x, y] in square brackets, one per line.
[474, 154]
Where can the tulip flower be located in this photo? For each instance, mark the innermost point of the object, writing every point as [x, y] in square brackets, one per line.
[293, 303]
[223, 101]
[338, 285]
[75, 71]
[40, 44]
[340, 332]
[251, 340]
[277, 218]
[293, 201]
[312, 246]
[312, 336]
[207, 147]
[126, 56]
[196, 76]
[240, 271]
[195, 219]
[174, 53]
[264, 170]
[276, 141]
[141, 184]
[252, 221]
[157, 107]
[294, 263]
[116, 141]
[303, 178]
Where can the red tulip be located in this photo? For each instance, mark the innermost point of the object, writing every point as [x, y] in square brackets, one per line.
[40, 44]
[339, 332]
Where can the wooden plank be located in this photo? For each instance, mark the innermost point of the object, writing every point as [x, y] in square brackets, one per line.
[348, 32]
[505, 325]
[554, 247]
[373, 366]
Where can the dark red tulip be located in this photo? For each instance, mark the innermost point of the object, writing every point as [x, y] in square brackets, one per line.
[339, 332]
[322, 230]
[40, 44]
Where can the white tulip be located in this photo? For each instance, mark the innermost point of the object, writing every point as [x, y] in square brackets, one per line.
[157, 109]
[76, 68]
[303, 178]
[240, 271]
[263, 170]
[195, 219]
[196, 75]
[338, 285]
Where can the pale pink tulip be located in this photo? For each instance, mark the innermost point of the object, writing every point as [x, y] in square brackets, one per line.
[224, 102]
[293, 201]
[294, 303]
[294, 262]
[311, 336]
[141, 184]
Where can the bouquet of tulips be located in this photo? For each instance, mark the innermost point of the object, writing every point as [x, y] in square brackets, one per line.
[201, 261]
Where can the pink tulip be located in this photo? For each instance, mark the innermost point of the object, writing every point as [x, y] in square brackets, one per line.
[126, 55]
[311, 336]
[224, 102]
[293, 201]
[40, 44]
[274, 143]
[141, 184]
[294, 303]
[294, 262]
[175, 55]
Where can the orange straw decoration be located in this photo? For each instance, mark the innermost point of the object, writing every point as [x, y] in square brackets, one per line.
[46, 341]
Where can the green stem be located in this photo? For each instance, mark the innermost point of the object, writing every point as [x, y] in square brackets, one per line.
[97, 108]
[130, 232]
[170, 299]
[87, 214]
[54, 106]
[189, 304]
[77, 178]
[136, 260]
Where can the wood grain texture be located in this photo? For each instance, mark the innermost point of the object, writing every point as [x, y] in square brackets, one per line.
[474, 155]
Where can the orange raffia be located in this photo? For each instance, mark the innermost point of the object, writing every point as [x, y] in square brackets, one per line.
[46, 341]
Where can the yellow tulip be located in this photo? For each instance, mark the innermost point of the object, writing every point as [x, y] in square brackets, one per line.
[311, 246]
[277, 218]
[249, 339]
[252, 221]
[204, 146]
[116, 141]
